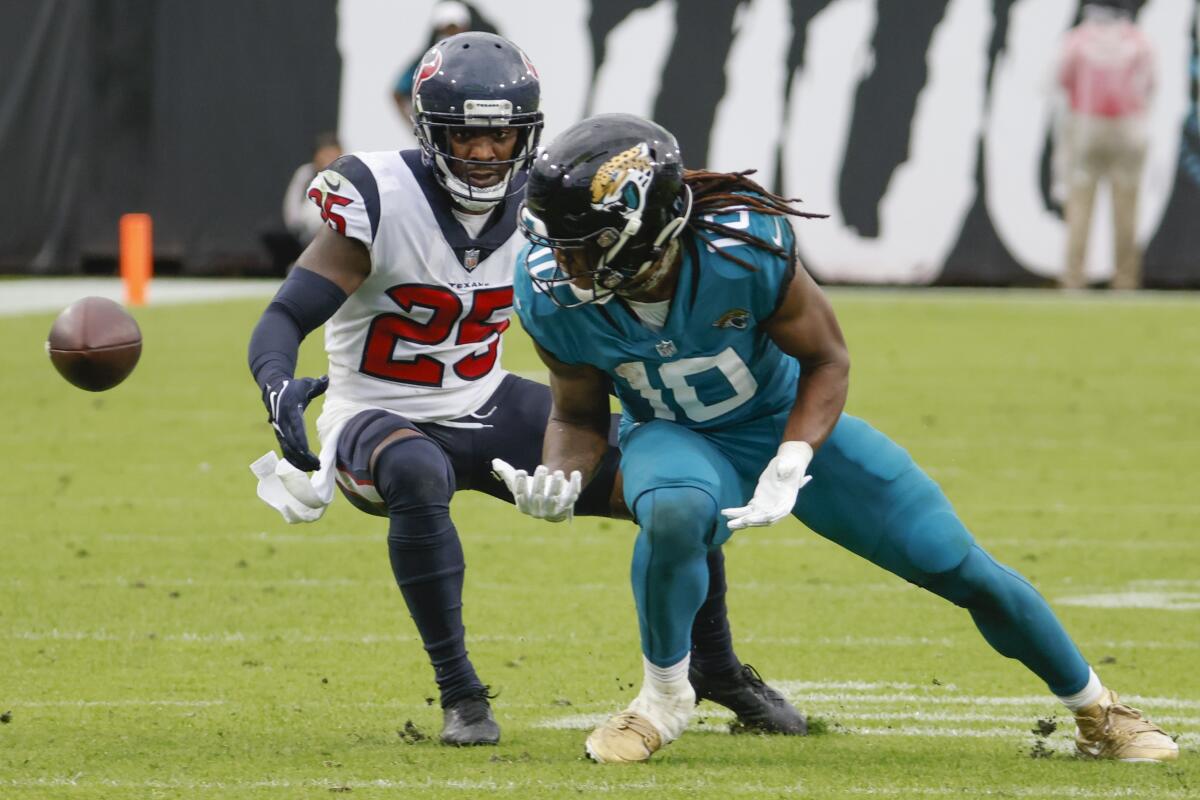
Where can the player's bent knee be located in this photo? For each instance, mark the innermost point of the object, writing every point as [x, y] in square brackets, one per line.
[980, 583]
[937, 542]
[677, 517]
[395, 436]
[412, 474]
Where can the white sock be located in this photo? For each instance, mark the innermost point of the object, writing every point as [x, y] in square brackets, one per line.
[1087, 696]
[667, 699]
[670, 680]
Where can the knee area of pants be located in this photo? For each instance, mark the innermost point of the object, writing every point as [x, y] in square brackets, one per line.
[980, 583]
[938, 543]
[677, 512]
[413, 471]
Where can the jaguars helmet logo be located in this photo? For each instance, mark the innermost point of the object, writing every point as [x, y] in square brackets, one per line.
[737, 318]
[623, 180]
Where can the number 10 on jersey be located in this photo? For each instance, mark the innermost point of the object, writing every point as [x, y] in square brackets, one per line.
[674, 377]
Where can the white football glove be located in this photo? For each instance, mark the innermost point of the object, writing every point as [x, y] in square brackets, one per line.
[775, 496]
[544, 494]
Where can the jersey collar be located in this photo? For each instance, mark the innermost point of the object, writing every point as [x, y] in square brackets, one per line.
[500, 226]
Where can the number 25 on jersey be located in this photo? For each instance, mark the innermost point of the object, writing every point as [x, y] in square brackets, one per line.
[440, 309]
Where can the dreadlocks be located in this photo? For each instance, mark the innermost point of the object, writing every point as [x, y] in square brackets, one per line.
[713, 192]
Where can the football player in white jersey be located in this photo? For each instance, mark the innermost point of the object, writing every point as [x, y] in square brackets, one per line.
[412, 279]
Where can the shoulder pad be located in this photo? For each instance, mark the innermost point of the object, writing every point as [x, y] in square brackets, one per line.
[348, 196]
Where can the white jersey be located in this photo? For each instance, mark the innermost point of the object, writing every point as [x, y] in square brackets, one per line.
[422, 335]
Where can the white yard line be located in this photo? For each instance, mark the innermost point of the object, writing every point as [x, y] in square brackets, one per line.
[582, 787]
[923, 641]
[1093, 508]
[567, 788]
[861, 686]
[1136, 644]
[1037, 701]
[598, 712]
[239, 637]
[123, 703]
[1023, 791]
[572, 788]
[799, 539]
[940, 716]
[1002, 725]
[293, 637]
[850, 641]
[261, 536]
[1161, 601]
[1009, 297]
[1172, 545]
[39, 295]
[1061, 739]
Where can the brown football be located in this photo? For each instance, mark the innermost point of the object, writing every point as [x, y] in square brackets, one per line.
[94, 344]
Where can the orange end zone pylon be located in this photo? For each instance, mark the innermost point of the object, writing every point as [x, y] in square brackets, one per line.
[137, 256]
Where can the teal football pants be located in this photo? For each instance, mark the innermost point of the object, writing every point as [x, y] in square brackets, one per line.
[867, 495]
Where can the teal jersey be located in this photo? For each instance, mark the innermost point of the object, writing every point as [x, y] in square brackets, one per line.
[712, 364]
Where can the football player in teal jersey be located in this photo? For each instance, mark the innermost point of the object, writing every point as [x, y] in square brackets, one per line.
[682, 289]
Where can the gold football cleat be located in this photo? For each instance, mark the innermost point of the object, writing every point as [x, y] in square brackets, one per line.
[625, 738]
[1111, 729]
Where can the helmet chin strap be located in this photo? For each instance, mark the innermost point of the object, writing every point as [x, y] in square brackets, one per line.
[656, 270]
[593, 295]
[660, 256]
[471, 198]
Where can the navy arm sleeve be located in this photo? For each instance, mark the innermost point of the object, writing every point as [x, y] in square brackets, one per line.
[302, 304]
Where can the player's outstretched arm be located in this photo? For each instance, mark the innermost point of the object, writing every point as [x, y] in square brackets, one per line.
[328, 271]
[576, 440]
[804, 326]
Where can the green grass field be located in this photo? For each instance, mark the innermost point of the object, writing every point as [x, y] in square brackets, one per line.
[165, 634]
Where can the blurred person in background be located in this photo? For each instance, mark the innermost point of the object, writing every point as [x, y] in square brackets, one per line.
[300, 215]
[448, 18]
[412, 277]
[1106, 71]
[301, 219]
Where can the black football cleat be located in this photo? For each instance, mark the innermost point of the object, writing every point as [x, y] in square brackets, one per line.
[759, 708]
[469, 721]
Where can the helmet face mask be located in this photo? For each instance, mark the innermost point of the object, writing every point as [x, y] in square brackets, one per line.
[608, 197]
[471, 82]
[591, 265]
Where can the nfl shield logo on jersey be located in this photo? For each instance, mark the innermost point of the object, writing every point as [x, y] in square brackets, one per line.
[666, 348]
[471, 258]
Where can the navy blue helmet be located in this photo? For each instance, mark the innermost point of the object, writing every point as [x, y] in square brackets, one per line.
[475, 80]
[611, 186]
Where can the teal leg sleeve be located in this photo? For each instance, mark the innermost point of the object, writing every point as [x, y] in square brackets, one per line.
[1014, 618]
[670, 569]
[868, 496]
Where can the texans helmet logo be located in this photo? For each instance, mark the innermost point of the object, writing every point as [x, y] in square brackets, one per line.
[430, 64]
[529, 65]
